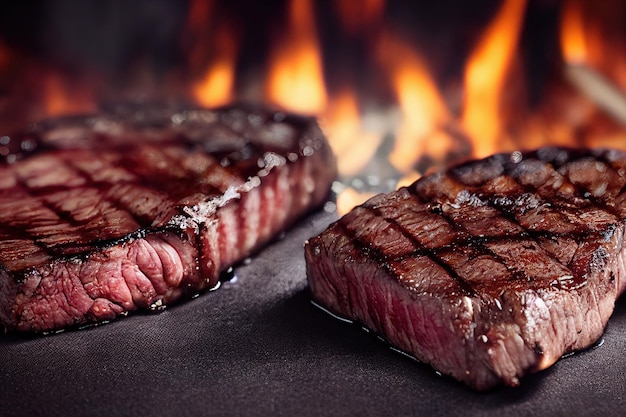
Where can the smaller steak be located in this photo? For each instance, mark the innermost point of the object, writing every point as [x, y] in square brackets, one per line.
[136, 208]
[487, 271]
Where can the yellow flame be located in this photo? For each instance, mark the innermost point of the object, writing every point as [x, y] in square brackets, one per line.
[354, 145]
[409, 179]
[423, 109]
[350, 198]
[485, 76]
[342, 123]
[295, 76]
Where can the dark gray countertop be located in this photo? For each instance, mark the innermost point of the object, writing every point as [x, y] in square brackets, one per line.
[257, 347]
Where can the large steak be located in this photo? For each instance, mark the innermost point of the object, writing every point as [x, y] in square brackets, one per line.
[488, 270]
[135, 208]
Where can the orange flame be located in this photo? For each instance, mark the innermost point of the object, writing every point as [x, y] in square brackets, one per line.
[213, 52]
[423, 109]
[61, 96]
[295, 77]
[426, 129]
[350, 198]
[217, 85]
[347, 135]
[485, 77]
[573, 42]
[593, 37]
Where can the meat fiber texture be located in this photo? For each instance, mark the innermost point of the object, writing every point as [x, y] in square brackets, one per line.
[487, 271]
[136, 208]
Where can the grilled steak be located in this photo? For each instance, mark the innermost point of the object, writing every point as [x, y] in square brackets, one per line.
[133, 209]
[487, 271]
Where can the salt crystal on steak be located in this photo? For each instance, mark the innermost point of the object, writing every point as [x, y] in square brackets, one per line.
[135, 208]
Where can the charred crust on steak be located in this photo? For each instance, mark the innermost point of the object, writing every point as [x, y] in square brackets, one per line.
[144, 205]
[527, 246]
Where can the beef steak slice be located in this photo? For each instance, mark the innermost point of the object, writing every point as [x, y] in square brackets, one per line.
[487, 271]
[136, 208]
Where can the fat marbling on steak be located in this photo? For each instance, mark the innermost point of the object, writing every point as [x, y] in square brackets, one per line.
[489, 270]
[135, 208]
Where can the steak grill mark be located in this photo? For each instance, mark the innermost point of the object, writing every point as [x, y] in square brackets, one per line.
[138, 208]
[487, 271]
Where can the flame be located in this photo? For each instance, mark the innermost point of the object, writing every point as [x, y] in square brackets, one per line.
[573, 42]
[408, 179]
[212, 53]
[595, 62]
[216, 87]
[347, 135]
[425, 126]
[295, 78]
[423, 109]
[350, 198]
[485, 77]
[62, 96]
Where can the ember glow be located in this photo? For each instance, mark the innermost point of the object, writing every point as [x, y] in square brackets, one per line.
[403, 107]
